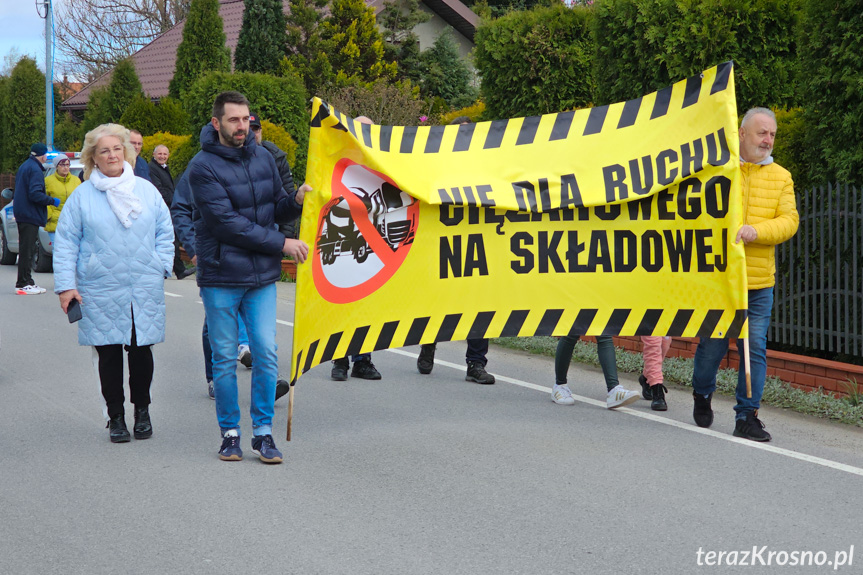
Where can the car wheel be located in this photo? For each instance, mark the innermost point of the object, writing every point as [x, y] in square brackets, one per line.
[42, 261]
[7, 258]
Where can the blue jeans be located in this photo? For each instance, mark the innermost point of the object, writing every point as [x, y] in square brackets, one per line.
[208, 349]
[257, 307]
[710, 352]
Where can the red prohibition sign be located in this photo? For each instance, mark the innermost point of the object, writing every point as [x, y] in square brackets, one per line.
[364, 233]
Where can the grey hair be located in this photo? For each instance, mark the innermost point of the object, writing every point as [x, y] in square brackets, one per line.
[161, 146]
[754, 111]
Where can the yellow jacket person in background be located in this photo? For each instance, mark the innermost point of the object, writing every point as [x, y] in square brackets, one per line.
[59, 185]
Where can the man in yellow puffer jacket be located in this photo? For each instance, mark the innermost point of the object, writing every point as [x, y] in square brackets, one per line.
[59, 185]
[769, 218]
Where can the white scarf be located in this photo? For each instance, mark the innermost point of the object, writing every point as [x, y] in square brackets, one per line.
[120, 192]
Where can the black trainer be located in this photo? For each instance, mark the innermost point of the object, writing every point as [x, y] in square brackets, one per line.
[340, 369]
[645, 388]
[117, 431]
[143, 428]
[365, 369]
[658, 392]
[425, 362]
[282, 388]
[702, 413]
[751, 428]
[476, 372]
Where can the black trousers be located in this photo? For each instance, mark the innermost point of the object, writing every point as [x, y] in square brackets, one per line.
[27, 234]
[179, 266]
[111, 374]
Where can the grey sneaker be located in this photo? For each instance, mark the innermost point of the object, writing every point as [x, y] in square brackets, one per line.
[210, 391]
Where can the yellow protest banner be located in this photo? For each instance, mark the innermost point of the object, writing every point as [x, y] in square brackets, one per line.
[615, 220]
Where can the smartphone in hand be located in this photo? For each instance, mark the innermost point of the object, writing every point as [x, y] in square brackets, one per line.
[73, 311]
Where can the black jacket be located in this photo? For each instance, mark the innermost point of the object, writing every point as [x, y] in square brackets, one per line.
[238, 199]
[163, 181]
[290, 229]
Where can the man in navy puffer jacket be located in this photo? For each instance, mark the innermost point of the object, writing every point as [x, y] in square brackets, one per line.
[30, 207]
[239, 198]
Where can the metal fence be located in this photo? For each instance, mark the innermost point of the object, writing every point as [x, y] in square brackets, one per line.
[818, 299]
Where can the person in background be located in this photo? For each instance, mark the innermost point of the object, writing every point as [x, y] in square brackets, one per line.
[617, 396]
[476, 355]
[112, 253]
[653, 349]
[363, 367]
[290, 229]
[142, 170]
[160, 175]
[181, 214]
[30, 209]
[59, 185]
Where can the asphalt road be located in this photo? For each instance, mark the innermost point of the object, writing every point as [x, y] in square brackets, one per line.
[411, 474]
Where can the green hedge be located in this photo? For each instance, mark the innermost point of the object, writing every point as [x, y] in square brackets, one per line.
[282, 101]
[644, 45]
[832, 55]
[536, 62]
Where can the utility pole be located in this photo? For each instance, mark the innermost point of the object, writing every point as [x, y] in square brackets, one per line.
[49, 68]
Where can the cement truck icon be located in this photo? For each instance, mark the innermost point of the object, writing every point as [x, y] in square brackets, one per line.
[385, 207]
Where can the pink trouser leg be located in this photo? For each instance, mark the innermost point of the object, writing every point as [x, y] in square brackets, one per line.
[654, 348]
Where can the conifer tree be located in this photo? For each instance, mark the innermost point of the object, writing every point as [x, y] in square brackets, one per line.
[25, 112]
[203, 47]
[124, 88]
[398, 20]
[446, 75]
[306, 57]
[353, 43]
[263, 41]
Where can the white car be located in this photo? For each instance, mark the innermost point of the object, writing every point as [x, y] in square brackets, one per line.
[42, 255]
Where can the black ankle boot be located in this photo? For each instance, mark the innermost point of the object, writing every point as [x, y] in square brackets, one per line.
[117, 429]
[143, 428]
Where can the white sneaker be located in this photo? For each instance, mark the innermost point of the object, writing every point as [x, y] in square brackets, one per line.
[561, 395]
[620, 396]
[244, 355]
[30, 290]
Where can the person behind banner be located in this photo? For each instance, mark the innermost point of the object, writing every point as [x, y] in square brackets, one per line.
[239, 198]
[363, 367]
[654, 349]
[769, 218]
[617, 395]
[477, 348]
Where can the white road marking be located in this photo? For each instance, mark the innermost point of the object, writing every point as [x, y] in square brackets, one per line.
[666, 421]
[169, 294]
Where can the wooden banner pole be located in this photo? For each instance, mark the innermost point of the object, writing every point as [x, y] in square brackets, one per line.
[290, 411]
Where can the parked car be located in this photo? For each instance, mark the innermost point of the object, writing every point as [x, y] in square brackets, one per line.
[44, 252]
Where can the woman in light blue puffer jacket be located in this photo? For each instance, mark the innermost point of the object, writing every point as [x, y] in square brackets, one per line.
[113, 250]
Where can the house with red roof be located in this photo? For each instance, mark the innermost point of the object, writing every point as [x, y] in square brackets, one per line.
[155, 62]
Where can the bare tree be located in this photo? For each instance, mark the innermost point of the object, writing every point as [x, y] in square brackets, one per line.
[94, 35]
